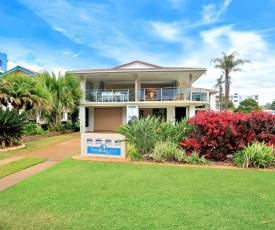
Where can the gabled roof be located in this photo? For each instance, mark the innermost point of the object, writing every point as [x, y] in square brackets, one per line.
[136, 64]
[19, 68]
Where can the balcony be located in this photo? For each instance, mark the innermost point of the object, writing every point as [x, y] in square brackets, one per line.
[146, 94]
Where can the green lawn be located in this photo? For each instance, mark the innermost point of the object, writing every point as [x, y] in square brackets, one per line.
[89, 195]
[16, 166]
[33, 145]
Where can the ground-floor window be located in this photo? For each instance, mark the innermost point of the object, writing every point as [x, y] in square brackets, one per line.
[157, 112]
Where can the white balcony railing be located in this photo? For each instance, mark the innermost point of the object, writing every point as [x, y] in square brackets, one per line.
[145, 94]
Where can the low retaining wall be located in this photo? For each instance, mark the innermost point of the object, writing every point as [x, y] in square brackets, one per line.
[37, 137]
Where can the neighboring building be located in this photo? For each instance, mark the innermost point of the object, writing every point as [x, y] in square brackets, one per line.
[112, 96]
[201, 92]
[237, 99]
[19, 70]
[3, 62]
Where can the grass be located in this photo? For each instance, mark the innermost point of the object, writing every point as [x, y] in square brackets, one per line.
[90, 195]
[37, 144]
[18, 165]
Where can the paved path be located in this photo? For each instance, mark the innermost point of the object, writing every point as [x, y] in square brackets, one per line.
[9, 160]
[53, 154]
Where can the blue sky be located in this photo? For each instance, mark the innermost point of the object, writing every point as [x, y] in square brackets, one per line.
[80, 34]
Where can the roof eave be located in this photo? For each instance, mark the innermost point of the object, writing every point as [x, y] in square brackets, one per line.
[136, 70]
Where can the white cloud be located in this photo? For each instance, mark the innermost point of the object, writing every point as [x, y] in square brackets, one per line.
[167, 31]
[211, 13]
[174, 31]
[177, 4]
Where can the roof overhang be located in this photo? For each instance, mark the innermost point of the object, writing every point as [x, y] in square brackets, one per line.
[180, 75]
[145, 72]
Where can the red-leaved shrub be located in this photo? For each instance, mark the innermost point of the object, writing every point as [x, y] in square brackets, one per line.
[217, 134]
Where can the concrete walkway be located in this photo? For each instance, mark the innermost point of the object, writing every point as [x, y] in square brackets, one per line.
[9, 160]
[53, 154]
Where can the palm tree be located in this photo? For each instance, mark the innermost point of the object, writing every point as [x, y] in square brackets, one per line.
[66, 94]
[23, 93]
[228, 64]
[218, 85]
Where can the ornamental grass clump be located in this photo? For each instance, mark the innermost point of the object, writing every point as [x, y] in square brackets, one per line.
[257, 154]
[195, 158]
[167, 152]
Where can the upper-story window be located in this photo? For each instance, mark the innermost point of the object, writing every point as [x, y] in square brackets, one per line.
[0, 62]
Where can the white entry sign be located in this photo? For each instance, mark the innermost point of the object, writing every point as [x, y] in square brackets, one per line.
[132, 110]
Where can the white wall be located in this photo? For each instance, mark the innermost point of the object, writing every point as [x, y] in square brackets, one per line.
[91, 119]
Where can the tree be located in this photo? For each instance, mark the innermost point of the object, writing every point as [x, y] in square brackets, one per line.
[267, 106]
[218, 85]
[24, 93]
[228, 64]
[230, 103]
[66, 93]
[272, 106]
[248, 105]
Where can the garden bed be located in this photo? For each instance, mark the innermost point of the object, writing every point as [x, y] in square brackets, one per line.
[52, 134]
[228, 164]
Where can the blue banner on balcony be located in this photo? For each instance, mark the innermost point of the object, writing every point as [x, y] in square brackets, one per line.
[103, 150]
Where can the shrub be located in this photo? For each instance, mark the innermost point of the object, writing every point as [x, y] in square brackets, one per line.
[76, 126]
[180, 155]
[194, 158]
[31, 128]
[167, 151]
[217, 134]
[158, 152]
[143, 134]
[173, 133]
[134, 154]
[255, 155]
[41, 131]
[11, 126]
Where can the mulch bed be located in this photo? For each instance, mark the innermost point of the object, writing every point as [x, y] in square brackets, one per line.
[13, 147]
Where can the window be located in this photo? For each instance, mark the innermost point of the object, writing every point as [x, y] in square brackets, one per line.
[0, 62]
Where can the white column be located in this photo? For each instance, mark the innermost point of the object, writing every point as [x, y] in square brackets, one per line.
[192, 111]
[91, 119]
[190, 86]
[171, 114]
[83, 88]
[82, 119]
[136, 87]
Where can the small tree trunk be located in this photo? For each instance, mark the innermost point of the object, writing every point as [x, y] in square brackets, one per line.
[227, 85]
[3, 144]
[220, 97]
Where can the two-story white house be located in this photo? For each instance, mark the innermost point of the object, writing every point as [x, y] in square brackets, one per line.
[113, 95]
